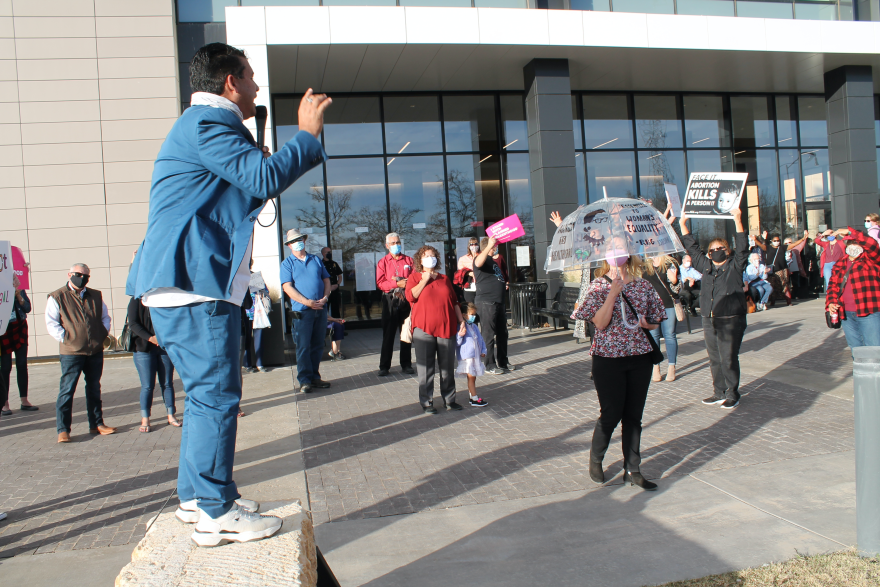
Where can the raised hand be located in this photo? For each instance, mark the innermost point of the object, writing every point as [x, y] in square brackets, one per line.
[311, 112]
[555, 218]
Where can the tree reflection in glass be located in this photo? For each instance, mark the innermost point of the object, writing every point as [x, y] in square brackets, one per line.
[418, 203]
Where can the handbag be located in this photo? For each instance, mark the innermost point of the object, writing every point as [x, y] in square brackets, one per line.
[676, 304]
[656, 354]
[124, 340]
[406, 330]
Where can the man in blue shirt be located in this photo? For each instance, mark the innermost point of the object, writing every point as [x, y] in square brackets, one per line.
[210, 181]
[306, 282]
[690, 284]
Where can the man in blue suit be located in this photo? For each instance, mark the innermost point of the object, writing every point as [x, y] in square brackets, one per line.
[210, 182]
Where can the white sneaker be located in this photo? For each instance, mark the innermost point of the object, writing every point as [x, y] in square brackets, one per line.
[236, 525]
[188, 512]
[2, 516]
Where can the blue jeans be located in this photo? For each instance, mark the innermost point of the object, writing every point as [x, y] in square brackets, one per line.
[864, 331]
[667, 329]
[155, 362]
[91, 366]
[763, 289]
[204, 341]
[253, 346]
[309, 331]
[826, 273]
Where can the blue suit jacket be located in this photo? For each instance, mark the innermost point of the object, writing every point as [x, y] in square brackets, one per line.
[210, 181]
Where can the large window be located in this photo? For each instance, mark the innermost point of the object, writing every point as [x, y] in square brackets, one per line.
[636, 143]
[436, 169]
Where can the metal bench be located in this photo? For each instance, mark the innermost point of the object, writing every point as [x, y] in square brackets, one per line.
[561, 308]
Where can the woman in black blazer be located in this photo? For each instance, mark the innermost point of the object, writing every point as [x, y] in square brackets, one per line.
[150, 361]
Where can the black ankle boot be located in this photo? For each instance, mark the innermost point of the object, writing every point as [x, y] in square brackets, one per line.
[637, 479]
[596, 472]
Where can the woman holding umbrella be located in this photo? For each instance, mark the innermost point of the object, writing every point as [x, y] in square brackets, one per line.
[620, 304]
[722, 305]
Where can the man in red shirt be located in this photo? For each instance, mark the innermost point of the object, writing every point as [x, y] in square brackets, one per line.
[854, 287]
[391, 274]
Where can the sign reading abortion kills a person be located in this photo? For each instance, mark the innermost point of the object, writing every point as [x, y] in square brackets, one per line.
[713, 195]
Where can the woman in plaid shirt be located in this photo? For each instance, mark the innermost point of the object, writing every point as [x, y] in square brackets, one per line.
[859, 296]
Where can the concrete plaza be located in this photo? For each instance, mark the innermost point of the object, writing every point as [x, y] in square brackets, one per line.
[491, 496]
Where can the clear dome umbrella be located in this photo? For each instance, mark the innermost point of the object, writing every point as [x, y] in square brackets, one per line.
[609, 228]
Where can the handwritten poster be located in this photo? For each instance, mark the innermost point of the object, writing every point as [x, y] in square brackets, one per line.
[673, 199]
[7, 292]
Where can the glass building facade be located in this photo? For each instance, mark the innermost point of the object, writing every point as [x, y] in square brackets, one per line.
[214, 10]
[436, 169]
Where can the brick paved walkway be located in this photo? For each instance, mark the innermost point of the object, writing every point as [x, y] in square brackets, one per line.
[369, 451]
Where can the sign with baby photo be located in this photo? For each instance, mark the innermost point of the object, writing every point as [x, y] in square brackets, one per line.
[713, 195]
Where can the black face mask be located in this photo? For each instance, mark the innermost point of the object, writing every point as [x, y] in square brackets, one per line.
[719, 256]
[329, 256]
[79, 281]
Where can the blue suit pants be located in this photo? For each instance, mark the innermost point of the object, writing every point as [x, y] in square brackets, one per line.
[203, 341]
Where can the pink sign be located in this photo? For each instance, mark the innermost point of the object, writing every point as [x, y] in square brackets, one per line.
[507, 229]
[19, 267]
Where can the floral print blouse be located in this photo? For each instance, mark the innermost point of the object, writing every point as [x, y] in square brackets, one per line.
[616, 340]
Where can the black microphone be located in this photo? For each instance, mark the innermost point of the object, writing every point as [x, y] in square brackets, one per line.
[261, 116]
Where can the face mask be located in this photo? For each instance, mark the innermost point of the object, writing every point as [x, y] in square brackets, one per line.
[868, 224]
[719, 256]
[79, 281]
[616, 257]
[299, 246]
[429, 262]
[471, 318]
[686, 264]
[475, 249]
[854, 250]
[830, 239]
[754, 262]
[329, 256]
[775, 243]
[395, 249]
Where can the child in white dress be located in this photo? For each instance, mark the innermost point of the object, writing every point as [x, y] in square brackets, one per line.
[470, 349]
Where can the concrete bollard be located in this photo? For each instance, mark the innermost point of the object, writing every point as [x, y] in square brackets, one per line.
[866, 384]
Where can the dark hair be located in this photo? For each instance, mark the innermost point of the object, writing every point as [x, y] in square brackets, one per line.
[466, 307]
[772, 236]
[211, 66]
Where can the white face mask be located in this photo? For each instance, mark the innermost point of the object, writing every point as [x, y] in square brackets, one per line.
[475, 249]
[854, 250]
[686, 264]
[754, 262]
[429, 262]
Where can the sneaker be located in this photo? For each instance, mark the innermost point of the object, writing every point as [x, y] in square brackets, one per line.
[2, 516]
[510, 367]
[340, 357]
[479, 402]
[453, 406]
[711, 401]
[497, 371]
[332, 356]
[236, 525]
[729, 404]
[188, 511]
[430, 410]
[320, 384]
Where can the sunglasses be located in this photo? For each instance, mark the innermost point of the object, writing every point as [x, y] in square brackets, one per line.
[78, 274]
[717, 249]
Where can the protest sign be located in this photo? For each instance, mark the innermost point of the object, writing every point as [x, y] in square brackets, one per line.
[673, 199]
[714, 195]
[7, 292]
[506, 230]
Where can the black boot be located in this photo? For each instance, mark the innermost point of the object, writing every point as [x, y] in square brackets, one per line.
[637, 479]
[596, 472]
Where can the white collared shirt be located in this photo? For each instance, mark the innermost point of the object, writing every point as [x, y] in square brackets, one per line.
[53, 316]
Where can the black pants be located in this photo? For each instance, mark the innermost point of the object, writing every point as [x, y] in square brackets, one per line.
[21, 373]
[335, 301]
[430, 353]
[394, 312]
[493, 327]
[689, 294]
[723, 337]
[622, 386]
[469, 296]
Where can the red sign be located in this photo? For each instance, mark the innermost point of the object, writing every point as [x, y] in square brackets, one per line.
[20, 268]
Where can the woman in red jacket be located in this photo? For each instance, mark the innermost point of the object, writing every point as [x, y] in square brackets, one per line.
[436, 319]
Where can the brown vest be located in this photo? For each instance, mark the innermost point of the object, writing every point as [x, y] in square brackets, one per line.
[84, 333]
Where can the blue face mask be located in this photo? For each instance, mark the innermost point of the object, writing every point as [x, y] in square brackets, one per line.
[395, 249]
[299, 245]
[830, 239]
[868, 225]
[471, 318]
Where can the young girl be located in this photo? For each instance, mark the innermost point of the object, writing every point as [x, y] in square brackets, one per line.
[469, 352]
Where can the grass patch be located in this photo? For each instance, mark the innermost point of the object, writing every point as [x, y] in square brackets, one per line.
[838, 569]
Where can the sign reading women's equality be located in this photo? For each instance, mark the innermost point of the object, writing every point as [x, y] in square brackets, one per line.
[506, 229]
[714, 195]
[7, 292]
